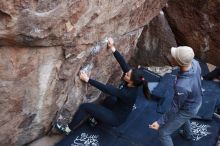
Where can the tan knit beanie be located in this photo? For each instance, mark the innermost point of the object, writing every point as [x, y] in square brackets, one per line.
[183, 55]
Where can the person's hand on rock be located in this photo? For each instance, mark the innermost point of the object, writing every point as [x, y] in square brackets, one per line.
[83, 76]
[110, 44]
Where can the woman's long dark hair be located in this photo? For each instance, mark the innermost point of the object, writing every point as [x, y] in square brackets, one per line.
[137, 76]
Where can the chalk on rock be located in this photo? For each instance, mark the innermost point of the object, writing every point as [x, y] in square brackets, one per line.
[87, 68]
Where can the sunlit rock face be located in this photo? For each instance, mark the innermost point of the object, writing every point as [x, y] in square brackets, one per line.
[44, 45]
[71, 22]
[196, 24]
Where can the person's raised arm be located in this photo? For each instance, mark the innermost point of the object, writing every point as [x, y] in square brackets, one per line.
[109, 89]
[125, 67]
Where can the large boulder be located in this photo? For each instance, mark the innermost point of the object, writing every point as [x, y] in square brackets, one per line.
[196, 24]
[44, 45]
[154, 43]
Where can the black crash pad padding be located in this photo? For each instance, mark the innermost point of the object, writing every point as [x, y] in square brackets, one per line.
[204, 67]
[205, 133]
[135, 131]
[87, 134]
[211, 95]
[150, 76]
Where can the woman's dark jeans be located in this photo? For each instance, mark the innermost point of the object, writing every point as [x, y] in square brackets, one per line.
[102, 113]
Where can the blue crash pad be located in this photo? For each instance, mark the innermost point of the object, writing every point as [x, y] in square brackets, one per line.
[135, 131]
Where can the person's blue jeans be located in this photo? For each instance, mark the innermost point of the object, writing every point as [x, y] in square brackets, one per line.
[180, 119]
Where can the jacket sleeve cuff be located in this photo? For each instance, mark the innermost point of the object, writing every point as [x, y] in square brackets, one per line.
[90, 81]
[161, 121]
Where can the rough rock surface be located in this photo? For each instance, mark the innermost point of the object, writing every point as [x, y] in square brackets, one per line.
[196, 24]
[44, 44]
[154, 43]
[28, 77]
[47, 141]
[71, 22]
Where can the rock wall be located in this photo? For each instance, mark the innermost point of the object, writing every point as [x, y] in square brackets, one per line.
[196, 24]
[44, 44]
[154, 43]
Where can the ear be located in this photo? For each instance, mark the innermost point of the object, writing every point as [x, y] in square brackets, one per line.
[170, 60]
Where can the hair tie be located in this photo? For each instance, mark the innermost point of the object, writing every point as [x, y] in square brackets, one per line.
[142, 78]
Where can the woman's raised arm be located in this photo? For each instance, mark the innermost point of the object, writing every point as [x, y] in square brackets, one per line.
[125, 67]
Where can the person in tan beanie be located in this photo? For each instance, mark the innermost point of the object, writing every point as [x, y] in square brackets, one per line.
[187, 98]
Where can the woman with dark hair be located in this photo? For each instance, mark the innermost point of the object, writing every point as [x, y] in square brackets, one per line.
[122, 99]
